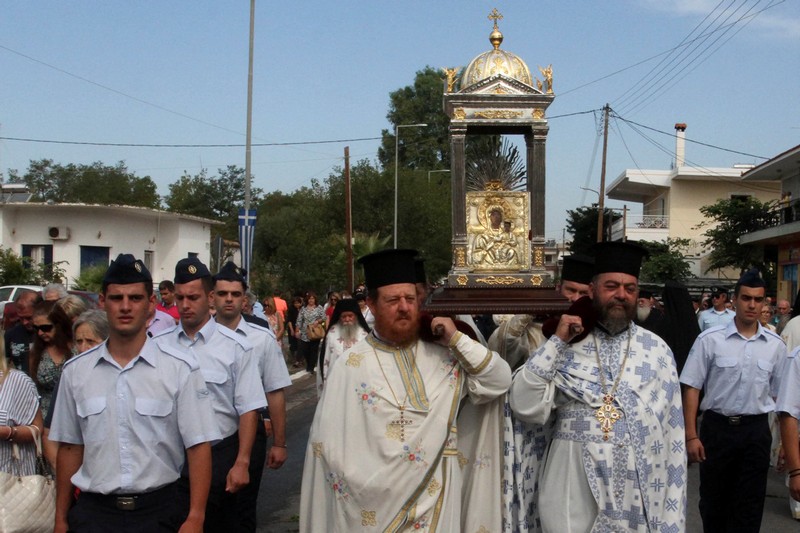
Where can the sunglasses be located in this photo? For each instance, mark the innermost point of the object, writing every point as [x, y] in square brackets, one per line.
[46, 328]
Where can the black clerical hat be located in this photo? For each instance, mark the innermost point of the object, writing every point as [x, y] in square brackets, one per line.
[578, 268]
[388, 267]
[190, 269]
[126, 269]
[231, 272]
[624, 257]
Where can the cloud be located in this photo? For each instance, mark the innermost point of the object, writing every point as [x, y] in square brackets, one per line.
[781, 20]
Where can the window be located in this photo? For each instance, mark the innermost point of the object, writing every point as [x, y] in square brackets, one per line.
[94, 255]
[37, 254]
[148, 259]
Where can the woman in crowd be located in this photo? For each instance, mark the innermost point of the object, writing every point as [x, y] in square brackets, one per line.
[72, 306]
[766, 317]
[310, 314]
[89, 330]
[274, 318]
[51, 349]
[333, 299]
[291, 324]
[20, 419]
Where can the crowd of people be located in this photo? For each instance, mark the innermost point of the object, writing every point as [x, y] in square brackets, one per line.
[160, 415]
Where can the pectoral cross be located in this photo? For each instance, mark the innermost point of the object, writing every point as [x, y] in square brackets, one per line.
[607, 415]
[398, 425]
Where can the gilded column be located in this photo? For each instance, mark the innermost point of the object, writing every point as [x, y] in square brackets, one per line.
[458, 135]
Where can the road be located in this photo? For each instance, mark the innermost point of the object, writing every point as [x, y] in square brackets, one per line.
[279, 499]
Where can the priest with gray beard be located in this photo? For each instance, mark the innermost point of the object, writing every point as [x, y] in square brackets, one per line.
[347, 327]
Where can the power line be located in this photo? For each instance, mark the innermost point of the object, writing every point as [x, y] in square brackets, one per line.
[144, 145]
[690, 140]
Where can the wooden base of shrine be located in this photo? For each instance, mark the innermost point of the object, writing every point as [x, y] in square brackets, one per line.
[538, 301]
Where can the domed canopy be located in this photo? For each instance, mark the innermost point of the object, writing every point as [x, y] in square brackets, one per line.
[496, 61]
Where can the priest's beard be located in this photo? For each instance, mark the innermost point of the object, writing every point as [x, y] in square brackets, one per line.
[400, 328]
[615, 315]
[349, 333]
[642, 313]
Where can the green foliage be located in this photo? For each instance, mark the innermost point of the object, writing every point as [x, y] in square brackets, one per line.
[582, 225]
[91, 279]
[666, 262]
[16, 270]
[728, 220]
[216, 197]
[421, 103]
[300, 238]
[92, 184]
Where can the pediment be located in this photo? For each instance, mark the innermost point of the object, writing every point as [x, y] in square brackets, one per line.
[500, 84]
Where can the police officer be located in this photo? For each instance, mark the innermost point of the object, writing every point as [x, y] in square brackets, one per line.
[231, 374]
[126, 412]
[738, 365]
[230, 291]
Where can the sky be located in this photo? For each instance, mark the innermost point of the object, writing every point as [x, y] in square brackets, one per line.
[175, 73]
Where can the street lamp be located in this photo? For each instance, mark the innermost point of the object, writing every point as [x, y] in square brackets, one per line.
[396, 148]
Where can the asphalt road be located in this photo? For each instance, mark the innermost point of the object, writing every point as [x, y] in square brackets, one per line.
[279, 499]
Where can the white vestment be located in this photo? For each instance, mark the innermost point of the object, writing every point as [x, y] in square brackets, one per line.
[335, 346]
[635, 480]
[371, 466]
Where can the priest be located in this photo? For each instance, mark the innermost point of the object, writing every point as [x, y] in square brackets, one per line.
[617, 457]
[383, 451]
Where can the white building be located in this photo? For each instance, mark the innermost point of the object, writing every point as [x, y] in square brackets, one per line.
[671, 201]
[79, 235]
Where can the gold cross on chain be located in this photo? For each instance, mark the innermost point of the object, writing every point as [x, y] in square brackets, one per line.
[399, 424]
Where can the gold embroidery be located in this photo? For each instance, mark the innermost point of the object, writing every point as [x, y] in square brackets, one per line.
[355, 360]
[392, 432]
[482, 530]
[368, 518]
[317, 449]
[433, 486]
[462, 461]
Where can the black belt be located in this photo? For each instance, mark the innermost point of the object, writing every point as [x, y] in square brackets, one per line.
[132, 502]
[737, 420]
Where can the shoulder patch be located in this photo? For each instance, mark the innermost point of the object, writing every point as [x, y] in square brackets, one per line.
[186, 357]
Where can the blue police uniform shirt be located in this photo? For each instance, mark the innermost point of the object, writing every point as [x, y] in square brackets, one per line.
[229, 368]
[134, 422]
[711, 318]
[740, 376]
[272, 368]
[789, 393]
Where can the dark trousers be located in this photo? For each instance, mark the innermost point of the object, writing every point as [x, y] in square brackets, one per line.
[100, 513]
[308, 351]
[248, 496]
[733, 478]
[222, 507]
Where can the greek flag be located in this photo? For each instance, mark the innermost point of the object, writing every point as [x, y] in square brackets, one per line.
[247, 227]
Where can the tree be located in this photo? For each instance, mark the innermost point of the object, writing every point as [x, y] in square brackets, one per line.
[92, 184]
[16, 270]
[420, 103]
[582, 225]
[216, 197]
[729, 219]
[667, 261]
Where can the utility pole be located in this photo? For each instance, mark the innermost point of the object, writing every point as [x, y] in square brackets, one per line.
[348, 219]
[600, 200]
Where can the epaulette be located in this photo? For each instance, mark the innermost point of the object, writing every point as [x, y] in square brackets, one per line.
[222, 330]
[186, 357]
[712, 330]
[794, 353]
[78, 356]
[164, 332]
[771, 333]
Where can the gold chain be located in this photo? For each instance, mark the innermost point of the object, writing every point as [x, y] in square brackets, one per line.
[396, 427]
[607, 414]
